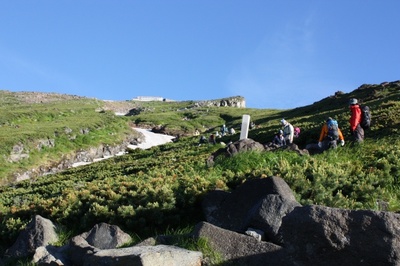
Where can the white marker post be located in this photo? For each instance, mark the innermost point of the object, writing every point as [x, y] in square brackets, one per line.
[244, 131]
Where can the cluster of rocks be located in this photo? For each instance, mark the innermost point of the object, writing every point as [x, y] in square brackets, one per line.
[292, 234]
[375, 90]
[99, 246]
[82, 156]
[248, 144]
[259, 223]
[237, 101]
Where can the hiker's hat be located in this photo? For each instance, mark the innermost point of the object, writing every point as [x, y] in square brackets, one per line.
[283, 121]
[353, 101]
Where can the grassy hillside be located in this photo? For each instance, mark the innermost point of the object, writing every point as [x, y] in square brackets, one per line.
[143, 196]
[27, 120]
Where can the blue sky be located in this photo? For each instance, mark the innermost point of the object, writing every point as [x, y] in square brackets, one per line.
[276, 54]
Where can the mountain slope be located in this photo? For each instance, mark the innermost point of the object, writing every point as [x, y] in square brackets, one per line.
[151, 190]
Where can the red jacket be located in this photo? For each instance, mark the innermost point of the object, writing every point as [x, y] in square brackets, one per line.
[355, 118]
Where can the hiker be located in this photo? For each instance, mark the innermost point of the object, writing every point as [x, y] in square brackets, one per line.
[288, 131]
[252, 125]
[355, 119]
[202, 140]
[224, 130]
[279, 140]
[211, 139]
[330, 134]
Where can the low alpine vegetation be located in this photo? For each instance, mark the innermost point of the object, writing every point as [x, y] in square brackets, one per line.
[146, 192]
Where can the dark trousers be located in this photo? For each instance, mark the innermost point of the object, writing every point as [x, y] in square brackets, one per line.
[329, 144]
[358, 134]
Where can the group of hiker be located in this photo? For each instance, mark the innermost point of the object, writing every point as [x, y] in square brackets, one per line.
[330, 136]
[286, 134]
[218, 134]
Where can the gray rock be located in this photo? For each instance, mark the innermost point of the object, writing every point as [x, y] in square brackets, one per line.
[318, 235]
[18, 153]
[145, 256]
[237, 101]
[105, 236]
[45, 143]
[268, 214]
[211, 202]
[256, 233]
[244, 145]
[236, 210]
[240, 249]
[79, 249]
[234, 148]
[50, 255]
[39, 232]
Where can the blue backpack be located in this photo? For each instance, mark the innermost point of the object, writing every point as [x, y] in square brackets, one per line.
[333, 129]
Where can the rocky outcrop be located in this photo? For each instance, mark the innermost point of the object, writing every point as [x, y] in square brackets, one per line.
[248, 144]
[258, 203]
[234, 148]
[259, 223]
[236, 101]
[239, 249]
[331, 236]
[99, 246]
[81, 252]
[82, 156]
[304, 235]
[105, 236]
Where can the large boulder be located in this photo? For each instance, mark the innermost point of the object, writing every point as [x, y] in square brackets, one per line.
[249, 205]
[242, 145]
[50, 255]
[101, 236]
[145, 256]
[99, 247]
[240, 249]
[211, 203]
[267, 215]
[319, 235]
[105, 236]
[39, 232]
[79, 249]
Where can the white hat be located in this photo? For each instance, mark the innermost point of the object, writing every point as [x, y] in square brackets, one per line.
[353, 101]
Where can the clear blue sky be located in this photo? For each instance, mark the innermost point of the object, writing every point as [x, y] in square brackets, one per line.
[276, 54]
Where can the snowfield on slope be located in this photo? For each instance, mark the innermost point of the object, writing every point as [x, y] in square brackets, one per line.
[150, 139]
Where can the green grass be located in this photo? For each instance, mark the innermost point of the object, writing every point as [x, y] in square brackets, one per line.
[69, 124]
[160, 189]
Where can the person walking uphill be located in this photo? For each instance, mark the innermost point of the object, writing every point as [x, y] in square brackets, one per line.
[288, 131]
[355, 119]
[330, 134]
